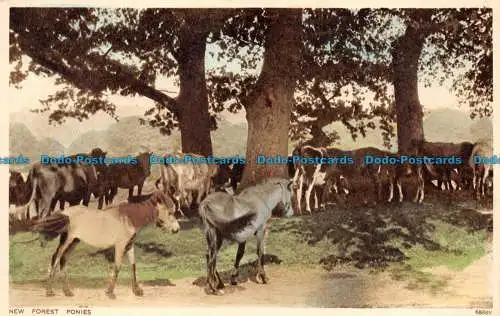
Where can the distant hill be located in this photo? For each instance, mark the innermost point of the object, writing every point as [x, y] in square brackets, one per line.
[128, 136]
[23, 142]
[441, 125]
[64, 133]
[230, 139]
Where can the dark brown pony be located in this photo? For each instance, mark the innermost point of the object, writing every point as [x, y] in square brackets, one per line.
[19, 190]
[127, 176]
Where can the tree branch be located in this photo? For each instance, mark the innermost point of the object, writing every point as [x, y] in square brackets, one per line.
[90, 81]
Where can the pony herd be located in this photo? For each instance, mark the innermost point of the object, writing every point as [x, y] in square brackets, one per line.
[327, 182]
[225, 216]
[233, 216]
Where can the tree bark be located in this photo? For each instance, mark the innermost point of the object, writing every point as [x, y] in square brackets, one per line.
[268, 107]
[405, 58]
[194, 118]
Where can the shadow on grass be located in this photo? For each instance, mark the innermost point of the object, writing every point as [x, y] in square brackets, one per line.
[152, 247]
[374, 236]
[247, 272]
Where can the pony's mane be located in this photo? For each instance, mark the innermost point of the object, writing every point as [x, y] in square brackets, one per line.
[140, 213]
[264, 185]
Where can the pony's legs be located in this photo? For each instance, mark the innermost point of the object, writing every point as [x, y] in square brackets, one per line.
[135, 286]
[485, 177]
[220, 284]
[420, 186]
[308, 196]
[239, 256]
[64, 244]
[61, 204]
[64, 269]
[119, 252]
[477, 181]
[391, 190]
[324, 195]
[86, 197]
[139, 188]
[113, 192]
[212, 278]
[315, 199]
[378, 188]
[260, 256]
[400, 190]
[100, 202]
[62, 239]
[131, 192]
[299, 193]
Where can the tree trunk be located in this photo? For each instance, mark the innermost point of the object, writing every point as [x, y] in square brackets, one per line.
[268, 107]
[406, 54]
[194, 118]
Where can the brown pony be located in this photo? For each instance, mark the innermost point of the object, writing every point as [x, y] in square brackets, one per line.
[116, 226]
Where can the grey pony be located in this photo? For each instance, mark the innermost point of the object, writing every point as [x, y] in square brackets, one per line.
[239, 217]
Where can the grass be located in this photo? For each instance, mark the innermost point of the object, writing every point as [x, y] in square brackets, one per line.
[425, 235]
[460, 249]
[161, 256]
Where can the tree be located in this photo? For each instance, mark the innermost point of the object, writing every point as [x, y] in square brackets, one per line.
[427, 45]
[269, 104]
[344, 62]
[455, 36]
[333, 57]
[95, 51]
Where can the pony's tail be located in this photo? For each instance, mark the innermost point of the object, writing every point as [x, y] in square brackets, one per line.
[53, 224]
[203, 209]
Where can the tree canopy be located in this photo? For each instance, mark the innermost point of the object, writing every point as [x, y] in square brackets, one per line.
[346, 72]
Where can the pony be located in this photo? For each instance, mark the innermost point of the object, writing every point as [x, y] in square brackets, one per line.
[239, 217]
[115, 226]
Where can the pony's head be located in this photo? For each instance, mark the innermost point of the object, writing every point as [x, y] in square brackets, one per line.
[286, 197]
[166, 219]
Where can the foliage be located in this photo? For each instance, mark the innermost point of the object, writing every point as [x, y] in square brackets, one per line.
[345, 72]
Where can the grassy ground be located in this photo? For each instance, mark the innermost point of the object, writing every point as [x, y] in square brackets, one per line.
[401, 239]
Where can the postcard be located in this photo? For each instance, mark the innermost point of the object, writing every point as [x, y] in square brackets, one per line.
[313, 157]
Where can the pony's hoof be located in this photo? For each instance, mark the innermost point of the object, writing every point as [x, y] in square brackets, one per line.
[211, 291]
[263, 278]
[138, 291]
[68, 292]
[111, 295]
[50, 293]
[220, 286]
[234, 280]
